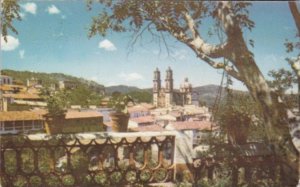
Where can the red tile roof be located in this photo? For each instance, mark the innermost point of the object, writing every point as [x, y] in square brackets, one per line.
[22, 96]
[20, 116]
[193, 125]
[154, 127]
[11, 87]
[82, 114]
[143, 119]
[38, 115]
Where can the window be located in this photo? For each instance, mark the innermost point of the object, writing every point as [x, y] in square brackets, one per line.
[38, 124]
[8, 125]
[28, 125]
[19, 125]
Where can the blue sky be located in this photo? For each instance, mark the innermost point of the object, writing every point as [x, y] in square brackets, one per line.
[53, 38]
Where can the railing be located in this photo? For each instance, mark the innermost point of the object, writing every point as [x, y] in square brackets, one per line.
[247, 164]
[99, 159]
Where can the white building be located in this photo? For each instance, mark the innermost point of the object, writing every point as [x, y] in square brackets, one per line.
[14, 122]
[5, 79]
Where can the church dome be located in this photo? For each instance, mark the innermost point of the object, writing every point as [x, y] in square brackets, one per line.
[186, 84]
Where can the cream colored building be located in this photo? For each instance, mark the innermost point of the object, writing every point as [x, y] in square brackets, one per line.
[167, 96]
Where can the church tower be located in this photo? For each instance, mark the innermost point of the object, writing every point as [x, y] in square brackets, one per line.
[186, 91]
[169, 88]
[156, 87]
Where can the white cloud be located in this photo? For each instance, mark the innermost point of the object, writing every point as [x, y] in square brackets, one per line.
[53, 10]
[131, 76]
[107, 45]
[22, 53]
[11, 44]
[30, 7]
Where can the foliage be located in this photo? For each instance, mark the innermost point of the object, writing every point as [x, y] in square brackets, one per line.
[86, 92]
[160, 174]
[220, 182]
[57, 102]
[119, 102]
[202, 103]
[282, 80]
[84, 96]
[141, 96]
[133, 15]
[240, 115]
[9, 12]
[48, 79]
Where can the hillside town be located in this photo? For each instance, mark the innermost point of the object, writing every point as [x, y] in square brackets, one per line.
[171, 110]
[149, 93]
[168, 106]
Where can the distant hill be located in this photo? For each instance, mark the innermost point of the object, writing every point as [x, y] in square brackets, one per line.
[121, 88]
[50, 78]
[208, 93]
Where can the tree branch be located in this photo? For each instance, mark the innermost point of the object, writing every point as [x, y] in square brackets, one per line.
[213, 51]
[228, 69]
[295, 13]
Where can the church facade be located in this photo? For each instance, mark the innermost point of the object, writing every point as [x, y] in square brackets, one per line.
[167, 96]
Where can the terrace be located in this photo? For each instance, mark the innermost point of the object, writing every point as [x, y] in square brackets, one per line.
[120, 159]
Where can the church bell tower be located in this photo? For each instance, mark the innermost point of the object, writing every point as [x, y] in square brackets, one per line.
[156, 87]
[169, 88]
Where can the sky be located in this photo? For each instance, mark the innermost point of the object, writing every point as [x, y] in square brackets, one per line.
[53, 37]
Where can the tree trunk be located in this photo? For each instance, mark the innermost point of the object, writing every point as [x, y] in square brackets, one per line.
[298, 95]
[274, 112]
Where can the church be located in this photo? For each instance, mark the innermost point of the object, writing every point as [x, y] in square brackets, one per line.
[167, 96]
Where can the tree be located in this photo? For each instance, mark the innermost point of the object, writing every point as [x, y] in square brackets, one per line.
[57, 102]
[9, 12]
[282, 80]
[84, 96]
[182, 20]
[141, 96]
[290, 46]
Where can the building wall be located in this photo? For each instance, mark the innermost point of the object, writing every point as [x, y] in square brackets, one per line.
[83, 125]
[168, 99]
[6, 80]
[161, 99]
[14, 127]
[155, 99]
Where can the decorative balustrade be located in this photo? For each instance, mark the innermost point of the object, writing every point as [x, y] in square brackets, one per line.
[253, 164]
[100, 159]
